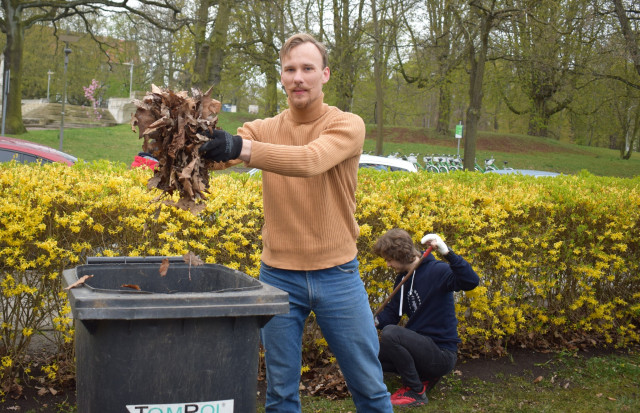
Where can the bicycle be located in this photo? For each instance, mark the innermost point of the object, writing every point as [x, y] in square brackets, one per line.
[441, 163]
[488, 165]
[455, 163]
[429, 164]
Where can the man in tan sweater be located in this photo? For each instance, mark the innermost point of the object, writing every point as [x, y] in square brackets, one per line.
[309, 157]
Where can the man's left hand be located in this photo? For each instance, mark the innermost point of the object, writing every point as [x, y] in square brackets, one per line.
[222, 147]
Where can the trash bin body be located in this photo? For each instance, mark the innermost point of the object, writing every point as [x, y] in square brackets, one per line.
[187, 341]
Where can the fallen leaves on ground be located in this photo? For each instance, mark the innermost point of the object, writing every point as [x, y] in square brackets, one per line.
[46, 390]
[14, 389]
[169, 123]
[326, 381]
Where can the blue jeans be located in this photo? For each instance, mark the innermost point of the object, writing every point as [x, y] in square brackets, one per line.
[338, 299]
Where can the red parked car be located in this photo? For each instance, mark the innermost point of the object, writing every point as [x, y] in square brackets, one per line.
[25, 151]
[145, 160]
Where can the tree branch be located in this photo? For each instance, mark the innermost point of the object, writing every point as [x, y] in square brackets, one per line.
[631, 41]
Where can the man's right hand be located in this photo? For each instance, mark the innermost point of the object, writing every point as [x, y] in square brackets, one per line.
[221, 147]
[435, 241]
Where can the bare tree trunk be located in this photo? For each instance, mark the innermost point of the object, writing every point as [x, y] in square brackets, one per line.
[218, 47]
[477, 60]
[344, 57]
[631, 44]
[444, 107]
[377, 74]
[474, 110]
[630, 37]
[200, 45]
[271, 93]
[538, 120]
[13, 62]
[631, 132]
[210, 51]
[486, 17]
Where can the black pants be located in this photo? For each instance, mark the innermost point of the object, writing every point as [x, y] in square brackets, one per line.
[414, 357]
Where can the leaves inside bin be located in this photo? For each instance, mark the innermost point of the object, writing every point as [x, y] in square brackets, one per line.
[80, 282]
[164, 267]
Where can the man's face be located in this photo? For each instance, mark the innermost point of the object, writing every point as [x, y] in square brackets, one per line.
[397, 265]
[303, 75]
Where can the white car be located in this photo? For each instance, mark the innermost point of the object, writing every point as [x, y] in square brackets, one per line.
[376, 162]
[386, 164]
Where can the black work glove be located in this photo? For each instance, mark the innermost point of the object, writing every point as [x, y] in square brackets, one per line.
[222, 147]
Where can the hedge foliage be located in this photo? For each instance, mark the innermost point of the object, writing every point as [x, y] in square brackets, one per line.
[558, 257]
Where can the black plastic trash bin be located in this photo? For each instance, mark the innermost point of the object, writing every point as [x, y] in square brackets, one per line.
[184, 342]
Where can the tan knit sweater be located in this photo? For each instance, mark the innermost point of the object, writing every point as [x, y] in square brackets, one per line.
[309, 161]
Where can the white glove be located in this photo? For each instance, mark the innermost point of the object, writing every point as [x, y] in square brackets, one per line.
[440, 246]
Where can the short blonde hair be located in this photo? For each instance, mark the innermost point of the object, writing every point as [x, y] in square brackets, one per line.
[300, 38]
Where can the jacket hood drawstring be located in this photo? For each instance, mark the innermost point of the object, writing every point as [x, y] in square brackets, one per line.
[402, 293]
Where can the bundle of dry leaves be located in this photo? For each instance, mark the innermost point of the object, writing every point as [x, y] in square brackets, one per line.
[169, 123]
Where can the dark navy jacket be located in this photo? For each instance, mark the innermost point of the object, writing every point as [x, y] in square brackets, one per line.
[428, 301]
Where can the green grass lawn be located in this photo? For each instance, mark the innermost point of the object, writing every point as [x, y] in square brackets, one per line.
[121, 144]
[570, 383]
[115, 143]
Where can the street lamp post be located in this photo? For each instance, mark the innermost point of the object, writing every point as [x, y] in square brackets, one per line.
[49, 73]
[67, 51]
[130, 78]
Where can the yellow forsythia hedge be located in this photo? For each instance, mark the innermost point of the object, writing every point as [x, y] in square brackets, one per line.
[558, 257]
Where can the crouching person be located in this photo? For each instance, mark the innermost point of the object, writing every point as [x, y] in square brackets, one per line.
[426, 348]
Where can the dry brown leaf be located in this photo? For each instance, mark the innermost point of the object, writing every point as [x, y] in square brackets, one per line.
[169, 123]
[14, 388]
[192, 259]
[80, 282]
[132, 286]
[164, 267]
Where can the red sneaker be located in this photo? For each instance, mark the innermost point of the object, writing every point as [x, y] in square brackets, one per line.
[399, 393]
[429, 384]
[409, 398]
